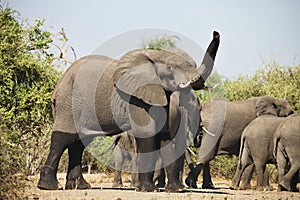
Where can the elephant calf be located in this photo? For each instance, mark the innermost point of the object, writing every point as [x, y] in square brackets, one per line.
[125, 148]
[287, 152]
[257, 147]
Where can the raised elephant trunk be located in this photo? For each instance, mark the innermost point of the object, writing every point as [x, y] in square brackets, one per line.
[206, 66]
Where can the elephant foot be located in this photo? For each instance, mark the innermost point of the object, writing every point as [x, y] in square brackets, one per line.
[174, 186]
[147, 187]
[48, 180]
[133, 184]
[245, 187]
[234, 187]
[161, 184]
[117, 184]
[78, 183]
[191, 182]
[208, 186]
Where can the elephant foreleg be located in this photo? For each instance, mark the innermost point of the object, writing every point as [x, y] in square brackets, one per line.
[75, 179]
[119, 160]
[191, 180]
[147, 160]
[134, 170]
[159, 174]
[207, 182]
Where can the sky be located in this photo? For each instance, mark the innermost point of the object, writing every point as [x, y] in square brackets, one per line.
[253, 33]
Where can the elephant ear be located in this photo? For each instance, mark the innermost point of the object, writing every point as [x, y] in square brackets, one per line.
[266, 106]
[136, 76]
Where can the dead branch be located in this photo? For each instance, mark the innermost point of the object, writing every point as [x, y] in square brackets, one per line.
[64, 51]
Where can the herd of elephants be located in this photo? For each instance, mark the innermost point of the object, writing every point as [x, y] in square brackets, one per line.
[147, 100]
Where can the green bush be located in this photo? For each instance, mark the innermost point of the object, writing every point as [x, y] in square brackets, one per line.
[27, 80]
[274, 80]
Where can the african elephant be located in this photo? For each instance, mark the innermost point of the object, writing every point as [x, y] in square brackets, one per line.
[257, 147]
[100, 96]
[125, 148]
[286, 152]
[224, 122]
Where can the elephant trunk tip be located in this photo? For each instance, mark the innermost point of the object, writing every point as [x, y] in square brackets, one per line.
[216, 34]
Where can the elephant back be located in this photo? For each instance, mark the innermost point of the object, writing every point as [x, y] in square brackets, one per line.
[74, 96]
[290, 125]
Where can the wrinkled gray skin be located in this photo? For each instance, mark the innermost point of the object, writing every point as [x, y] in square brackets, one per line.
[257, 147]
[227, 120]
[125, 148]
[287, 152]
[99, 96]
[125, 145]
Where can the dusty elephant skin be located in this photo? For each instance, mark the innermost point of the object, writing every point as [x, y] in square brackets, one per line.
[125, 144]
[286, 152]
[257, 148]
[227, 120]
[101, 96]
[125, 148]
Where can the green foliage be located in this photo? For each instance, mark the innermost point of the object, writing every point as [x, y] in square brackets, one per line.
[224, 166]
[99, 154]
[27, 80]
[215, 82]
[274, 80]
[159, 43]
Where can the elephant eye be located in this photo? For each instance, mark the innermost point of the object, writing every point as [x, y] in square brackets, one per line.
[170, 68]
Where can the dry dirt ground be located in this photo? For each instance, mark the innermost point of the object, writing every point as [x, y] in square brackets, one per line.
[102, 189]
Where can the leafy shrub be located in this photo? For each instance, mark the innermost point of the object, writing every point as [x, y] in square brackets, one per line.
[274, 80]
[27, 80]
[160, 43]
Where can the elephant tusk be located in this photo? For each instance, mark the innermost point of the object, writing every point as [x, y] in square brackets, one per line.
[191, 151]
[209, 133]
[184, 85]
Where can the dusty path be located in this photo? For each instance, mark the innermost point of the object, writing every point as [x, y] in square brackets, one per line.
[102, 190]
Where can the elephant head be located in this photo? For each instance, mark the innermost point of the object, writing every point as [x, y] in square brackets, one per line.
[149, 74]
[267, 105]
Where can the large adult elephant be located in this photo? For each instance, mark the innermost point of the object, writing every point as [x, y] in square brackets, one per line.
[286, 151]
[225, 121]
[101, 96]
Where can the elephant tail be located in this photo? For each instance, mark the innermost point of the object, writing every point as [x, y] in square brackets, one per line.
[112, 146]
[277, 147]
[243, 139]
[276, 141]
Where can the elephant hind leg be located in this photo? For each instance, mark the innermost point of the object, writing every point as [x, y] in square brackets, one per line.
[244, 161]
[286, 182]
[246, 177]
[59, 143]
[75, 178]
